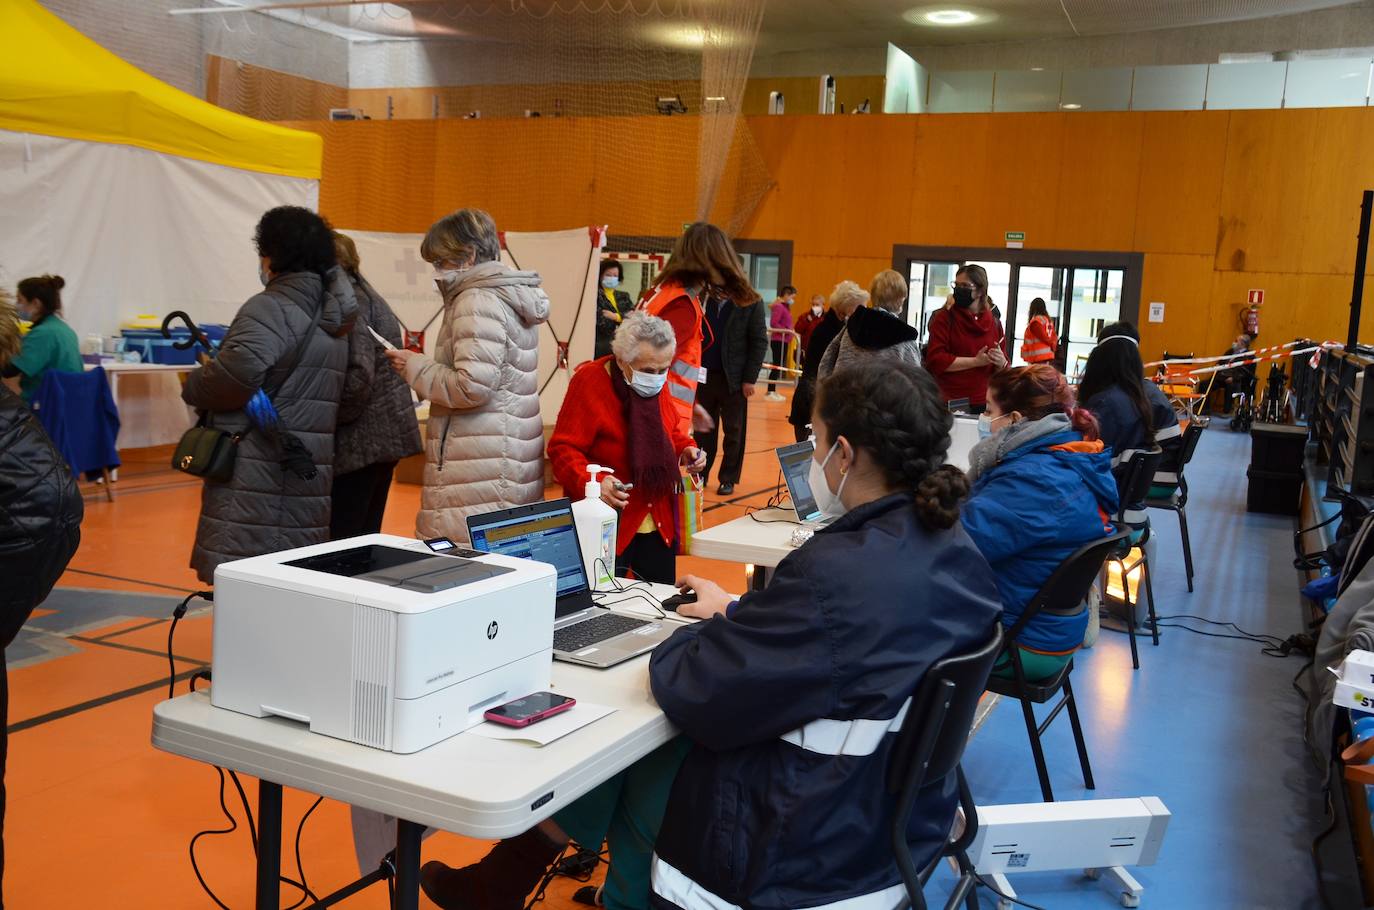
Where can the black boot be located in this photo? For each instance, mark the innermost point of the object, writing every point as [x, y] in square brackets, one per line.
[501, 880]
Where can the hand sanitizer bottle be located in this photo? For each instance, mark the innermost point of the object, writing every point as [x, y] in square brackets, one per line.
[596, 528]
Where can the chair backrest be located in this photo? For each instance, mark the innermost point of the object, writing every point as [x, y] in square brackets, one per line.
[937, 724]
[1064, 592]
[78, 413]
[1170, 356]
[1133, 481]
[1190, 439]
[932, 740]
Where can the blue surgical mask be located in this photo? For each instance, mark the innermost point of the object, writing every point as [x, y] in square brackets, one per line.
[263, 276]
[984, 426]
[647, 385]
[610, 281]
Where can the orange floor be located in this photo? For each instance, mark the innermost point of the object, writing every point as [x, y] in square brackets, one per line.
[96, 816]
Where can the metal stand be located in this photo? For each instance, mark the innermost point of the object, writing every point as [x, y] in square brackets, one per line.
[1114, 879]
[269, 846]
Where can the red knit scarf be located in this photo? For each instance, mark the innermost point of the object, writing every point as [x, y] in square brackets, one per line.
[653, 466]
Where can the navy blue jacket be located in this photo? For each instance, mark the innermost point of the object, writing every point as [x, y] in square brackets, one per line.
[1030, 511]
[1124, 434]
[764, 812]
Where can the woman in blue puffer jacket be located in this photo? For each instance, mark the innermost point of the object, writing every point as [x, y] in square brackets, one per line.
[1042, 487]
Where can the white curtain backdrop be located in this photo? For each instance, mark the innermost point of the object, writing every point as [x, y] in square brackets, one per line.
[566, 261]
[133, 231]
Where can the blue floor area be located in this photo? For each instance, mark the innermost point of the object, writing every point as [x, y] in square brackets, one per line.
[1210, 726]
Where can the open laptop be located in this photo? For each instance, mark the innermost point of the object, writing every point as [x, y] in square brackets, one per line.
[796, 473]
[583, 633]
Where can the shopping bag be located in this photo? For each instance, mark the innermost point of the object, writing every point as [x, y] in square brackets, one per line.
[691, 496]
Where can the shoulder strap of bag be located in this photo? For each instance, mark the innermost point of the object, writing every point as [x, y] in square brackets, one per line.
[298, 352]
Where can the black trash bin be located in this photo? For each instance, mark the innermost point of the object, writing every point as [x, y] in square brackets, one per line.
[1277, 452]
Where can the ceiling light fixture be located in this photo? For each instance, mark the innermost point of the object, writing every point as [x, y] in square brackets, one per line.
[1071, 106]
[950, 17]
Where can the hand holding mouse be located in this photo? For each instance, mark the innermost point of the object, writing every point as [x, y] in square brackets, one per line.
[710, 597]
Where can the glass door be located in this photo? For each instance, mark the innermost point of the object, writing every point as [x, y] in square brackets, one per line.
[1036, 282]
[1094, 301]
[762, 270]
[930, 287]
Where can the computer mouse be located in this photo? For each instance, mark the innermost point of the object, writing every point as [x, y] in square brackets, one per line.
[677, 600]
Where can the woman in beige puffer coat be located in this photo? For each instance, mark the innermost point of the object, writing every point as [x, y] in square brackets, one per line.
[484, 447]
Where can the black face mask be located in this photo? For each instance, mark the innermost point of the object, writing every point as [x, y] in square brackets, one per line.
[963, 297]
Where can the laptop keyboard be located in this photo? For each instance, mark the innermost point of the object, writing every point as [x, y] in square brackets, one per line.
[598, 629]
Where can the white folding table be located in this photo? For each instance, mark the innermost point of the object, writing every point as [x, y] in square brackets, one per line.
[764, 538]
[467, 784]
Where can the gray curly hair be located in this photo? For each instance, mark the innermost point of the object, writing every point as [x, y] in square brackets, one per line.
[9, 329]
[848, 297]
[639, 329]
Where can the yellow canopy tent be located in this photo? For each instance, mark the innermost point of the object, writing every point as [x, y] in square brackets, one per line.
[54, 81]
[144, 198]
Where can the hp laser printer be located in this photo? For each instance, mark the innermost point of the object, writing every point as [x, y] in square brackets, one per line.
[378, 640]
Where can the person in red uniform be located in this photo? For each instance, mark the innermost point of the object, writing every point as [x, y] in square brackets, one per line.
[617, 413]
[702, 260]
[966, 340]
[1040, 342]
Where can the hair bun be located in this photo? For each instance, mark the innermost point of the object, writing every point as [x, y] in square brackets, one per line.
[56, 281]
[939, 494]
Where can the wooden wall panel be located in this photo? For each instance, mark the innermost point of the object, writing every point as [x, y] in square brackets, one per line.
[1182, 161]
[1099, 181]
[1184, 284]
[1190, 190]
[268, 94]
[1290, 191]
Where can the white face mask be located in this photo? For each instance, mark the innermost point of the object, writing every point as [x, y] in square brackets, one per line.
[829, 503]
[647, 385]
[816, 311]
[263, 276]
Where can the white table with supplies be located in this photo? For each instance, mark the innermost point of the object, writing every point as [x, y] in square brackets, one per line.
[469, 784]
[764, 538]
[151, 412]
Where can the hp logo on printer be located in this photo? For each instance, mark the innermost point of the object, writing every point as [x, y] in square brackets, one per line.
[492, 629]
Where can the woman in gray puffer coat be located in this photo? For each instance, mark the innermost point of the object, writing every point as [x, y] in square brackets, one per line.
[265, 507]
[377, 425]
[484, 449]
[879, 332]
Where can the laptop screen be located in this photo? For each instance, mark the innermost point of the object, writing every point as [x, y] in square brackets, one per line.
[543, 532]
[796, 470]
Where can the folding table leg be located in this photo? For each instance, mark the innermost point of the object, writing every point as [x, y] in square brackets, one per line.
[269, 846]
[408, 865]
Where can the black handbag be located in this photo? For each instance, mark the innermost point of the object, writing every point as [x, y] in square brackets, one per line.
[208, 452]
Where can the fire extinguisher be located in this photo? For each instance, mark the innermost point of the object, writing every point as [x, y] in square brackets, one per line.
[1249, 320]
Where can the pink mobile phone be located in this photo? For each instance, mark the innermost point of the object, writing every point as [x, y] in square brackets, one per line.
[529, 710]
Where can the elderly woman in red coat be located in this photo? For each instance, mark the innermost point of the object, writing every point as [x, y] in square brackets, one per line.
[616, 414]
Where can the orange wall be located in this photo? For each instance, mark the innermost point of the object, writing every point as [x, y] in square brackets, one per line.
[1218, 201]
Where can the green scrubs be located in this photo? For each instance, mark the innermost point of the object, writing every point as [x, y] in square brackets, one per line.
[50, 345]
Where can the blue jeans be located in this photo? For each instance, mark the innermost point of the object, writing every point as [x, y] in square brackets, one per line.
[627, 811]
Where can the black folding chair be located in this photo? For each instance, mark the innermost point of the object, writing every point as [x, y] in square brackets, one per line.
[1171, 474]
[1064, 594]
[928, 748]
[1133, 485]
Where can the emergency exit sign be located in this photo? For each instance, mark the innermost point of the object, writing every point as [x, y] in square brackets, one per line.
[1015, 239]
[1255, 297]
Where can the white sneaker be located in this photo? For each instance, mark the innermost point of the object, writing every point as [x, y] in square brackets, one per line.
[773, 396]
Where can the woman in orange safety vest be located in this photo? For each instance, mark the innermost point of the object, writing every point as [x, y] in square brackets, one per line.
[1041, 341]
[702, 259]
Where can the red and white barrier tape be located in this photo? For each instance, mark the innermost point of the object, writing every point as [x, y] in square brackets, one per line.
[1251, 359]
[1241, 355]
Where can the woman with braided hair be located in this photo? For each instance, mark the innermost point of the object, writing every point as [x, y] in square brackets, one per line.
[775, 805]
[760, 803]
[1042, 488]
